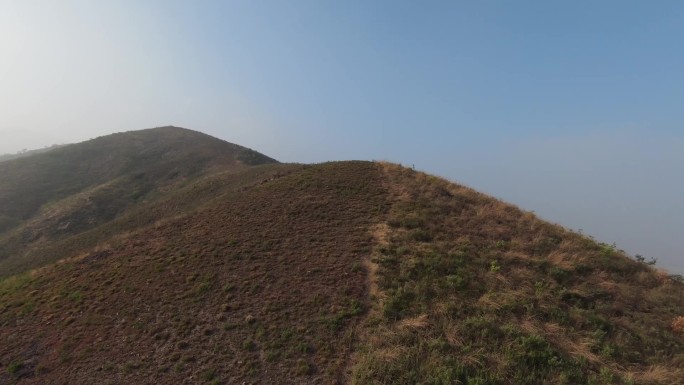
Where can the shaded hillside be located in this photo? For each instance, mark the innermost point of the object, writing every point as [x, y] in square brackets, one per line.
[25, 153]
[262, 285]
[345, 272]
[49, 197]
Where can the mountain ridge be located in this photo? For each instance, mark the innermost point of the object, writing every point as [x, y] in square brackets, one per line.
[334, 273]
[74, 188]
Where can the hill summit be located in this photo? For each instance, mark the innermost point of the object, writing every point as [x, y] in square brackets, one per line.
[47, 198]
[205, 262]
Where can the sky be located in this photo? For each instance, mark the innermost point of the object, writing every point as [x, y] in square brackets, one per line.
[573, 110]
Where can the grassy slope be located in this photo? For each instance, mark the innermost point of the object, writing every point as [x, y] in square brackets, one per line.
[261, 285]
[189, 196]
[469, 290]
[52, 196]
[25, 153]
[305, 274]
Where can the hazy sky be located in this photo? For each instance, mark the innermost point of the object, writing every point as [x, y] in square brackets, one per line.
[572, 109]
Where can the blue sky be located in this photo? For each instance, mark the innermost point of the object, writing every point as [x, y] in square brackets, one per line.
[570, 109]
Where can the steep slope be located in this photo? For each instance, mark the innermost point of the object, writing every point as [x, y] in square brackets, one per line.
[52, 196]
[346, 272]
[470, 290]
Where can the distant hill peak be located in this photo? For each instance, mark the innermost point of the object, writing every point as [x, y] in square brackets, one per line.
[114, 172]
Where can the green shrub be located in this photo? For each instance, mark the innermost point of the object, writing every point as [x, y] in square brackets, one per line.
[398, 304]
[14, 367]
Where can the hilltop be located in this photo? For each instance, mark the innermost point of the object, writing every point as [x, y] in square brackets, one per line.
[244, 271]
[49, 197]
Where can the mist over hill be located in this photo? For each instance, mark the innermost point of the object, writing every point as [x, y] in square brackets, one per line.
[48, 197]
[169, 256]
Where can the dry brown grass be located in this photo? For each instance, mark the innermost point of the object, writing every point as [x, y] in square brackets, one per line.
[527, 302]
[582, 349]
[562, 258]
[656, 374]
[419, 322]
[678, 325]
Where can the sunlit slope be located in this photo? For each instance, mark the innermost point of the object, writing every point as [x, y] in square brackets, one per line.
[470, 290]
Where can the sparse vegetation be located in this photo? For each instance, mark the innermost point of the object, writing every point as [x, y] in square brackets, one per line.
[496, 296]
